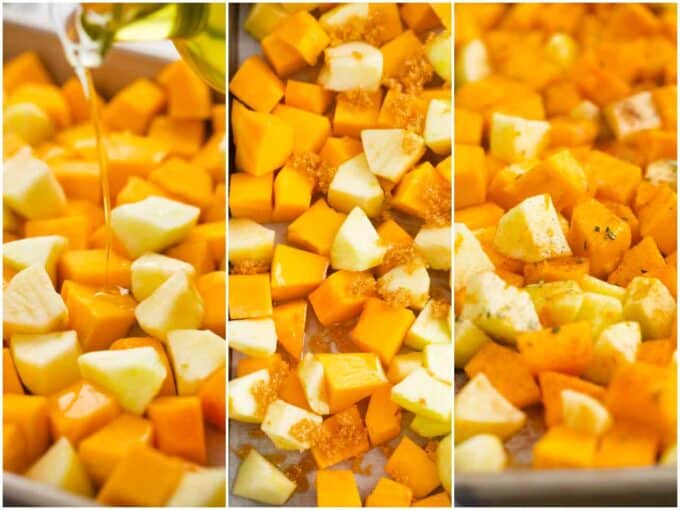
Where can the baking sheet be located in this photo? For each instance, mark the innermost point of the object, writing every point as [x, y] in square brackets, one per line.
[120, 68]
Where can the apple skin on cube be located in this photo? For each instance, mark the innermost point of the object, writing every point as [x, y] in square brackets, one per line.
[649, 302]
[201, 488]
[60, 467]
[253, 337]
[195, 356]
[390, 153]
[428, 329]
[411, 281]
[242, 403]
[41, 250]
[152, 224]
[468, 339]
[355, 185]
[259, 480]
[151, 270]
[279, 420]
[30, 188]
[133, 376]
[439, 126]
[434, 244]
[351, 66]
[471, 258]
[313, 379]
[422, 394]
[248, 240]
[427, 427]
[443, 458]
[357, 245]
[176, 304]
[515, 139]
[483, 453]
[617, 345]
[48, 362]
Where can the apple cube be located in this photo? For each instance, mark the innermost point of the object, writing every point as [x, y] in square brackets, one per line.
[243, 406]
[151, 270]
[427, 427]
[31, 305]
[259, 480]
[472, 62]
[561, 49]
[600, 310]
[351, 66]
[591, 284]
[438, 52]
[422, 394]
[176, 304]
[357, 245]
[402, 365]
[649, 302]
[663, 171]
[133, 376]
[201, 488]
[313, 378]
[531, 231]
[585, 110]
[468, 339]
[152, 224]
[411, 282]
[35, 251]
[584, 413]
[670, 456]
[499, 309]
[195, 356]
[444, 462]
[261, 21]
[29, 121]
[30, 188]
[60, 467]
[559, 301]
[428, 328]
[354, 185]
[438, 361]
[617, 345]
[248, 240]
[280, 423]
[342, 14]
[434, 244]
[390, 153]
[632, 114]
[471, 258]
[47, 363]
[481, 409]
[514, 139]
[253, 337]
[483, 453]
[439, 126]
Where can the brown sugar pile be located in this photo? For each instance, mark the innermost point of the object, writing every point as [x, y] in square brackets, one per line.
[370, 30]
[250, 267]
[317, 170]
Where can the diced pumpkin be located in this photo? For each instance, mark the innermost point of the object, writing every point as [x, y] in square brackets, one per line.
[410, 464]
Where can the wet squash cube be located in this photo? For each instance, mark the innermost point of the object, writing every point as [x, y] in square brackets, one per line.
[249, 296]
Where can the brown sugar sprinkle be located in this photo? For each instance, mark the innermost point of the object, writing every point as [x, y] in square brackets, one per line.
[386, 450]
[250, 267]
[412, 76]
[437, 199]
[336, 334]
[358, 98]
[440, 308]
[370, 30]
[275, 458]
[344, 434]
[358, 468]
[363, 285]
[405, 114]
[317, 170]
[401, 254]
[431, 449]
[410, 142]
[303, 430]
[298, 471]
[265, 393]
[385, 213]
[399, 298]
[242, 451]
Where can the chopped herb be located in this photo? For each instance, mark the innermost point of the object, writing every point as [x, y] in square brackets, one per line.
[597, 228]
[555, 330]
[609, 233]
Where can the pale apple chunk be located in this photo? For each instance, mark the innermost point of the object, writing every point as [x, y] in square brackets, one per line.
[557, 302]
[662, 171]
[434, 244]
[670, 456]
[206, 487]
[439, 126]
[616, 346]
[561, 49]
[351, 66]
[499, 309]
[428, 328]
[35, 251]
[263, 18]
[600, 310]
[152, 224]
[483, 453]
[514, 139]
[472, 62]
[176, 304]
[591, 284]
[468, 339]
[390, 153]
[253, 337]
[47, 363]
[151, 270]
[133, 376]
[470, 257]
[29, 121]
[259, 480]
[243, 404]
[649, 302]
[586, 110]
[357, 245]
[280, 421]
[632, 114]
[585, 414]
[438, 361]
[195, 356]
[411, 282]
[481, 409]
[60, 467]
[531, 231]
[444, 462]
[313, 378]
[31, 305]
[250, 241]
[427, 427]
[422, 394]
[30, 188]
[402, 365]
[438, 52]
[354, 185]
[343, 13]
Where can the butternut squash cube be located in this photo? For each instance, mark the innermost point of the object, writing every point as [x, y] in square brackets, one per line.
[251, 196]
[351, 117]
[188, 95]
[290, 320]
[307, 96]
[383, 416]
[562, 447]
[89, 267]
[249, 296]
[295, 273]
[134, 106]
[390, 493]
[304, 33]
[292, 195]
[382, 328]
[256, 85]
[340, 296]
[178, 427]
[315, 229]
[189, 183]
[342, 436]
[411, 464]
[336, 488]
[310, 129]
[29, 413]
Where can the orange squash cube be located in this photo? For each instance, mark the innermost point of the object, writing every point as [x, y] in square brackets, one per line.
[659, 218]
[382, 328]
[24, 68]
[188, 95]
[479, 216]
[213, 399]
[214, 234]
[256, 85]
[403, 111]
[341, 296]
[72, 90]
[183, 137]
[10, 378]
[187, 182]
[656, 352]
[416, 187]
[137, 189]
[342, 436]
[419, 17]
[283, 57]
[79, 179]
[178, 427]
[567, 349]
[337, 150]
[211, 287]
[553, 383]
[47, 97]
[613, 178]
[292, 195]
[134, 106]
[289, 320]
[251, 196]
[468, 127]
[383, 417]
[400, 49]
[75, 229]
[641, 259]
[562, 447]
[311, 130]
[14, 458]
[303, 32]
[308, 96]
[627, 445]
[196, 252]
[411, 465]
[80, 410]
[314, 230]
[212, 157]
[390, 493]
[295, 273]
[336, 488]
[470, 175]
[168, 387]
[30, 415]
[352, 116]
[89, 267]
[249, 296]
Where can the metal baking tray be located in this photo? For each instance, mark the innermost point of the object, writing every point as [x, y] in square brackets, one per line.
[122, 65]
